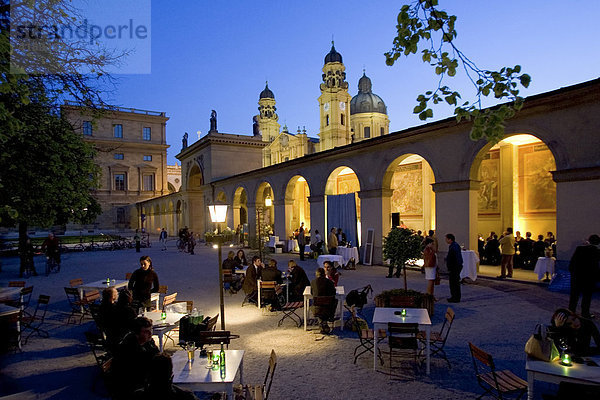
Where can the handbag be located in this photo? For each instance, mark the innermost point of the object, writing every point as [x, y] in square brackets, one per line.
[540, 346]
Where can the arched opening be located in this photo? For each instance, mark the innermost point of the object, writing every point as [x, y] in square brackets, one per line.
[195, 178]
[342, 205]
[412, 203]
[516, 189]
[297, 207]
[170, 187]
[240, 211]
[265, 215]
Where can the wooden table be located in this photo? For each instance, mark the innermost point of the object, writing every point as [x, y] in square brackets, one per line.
[383, 316]
[196, 376]
[5, 311]
[339, 295]
[554, 372]
[9, 293]
[162, 326]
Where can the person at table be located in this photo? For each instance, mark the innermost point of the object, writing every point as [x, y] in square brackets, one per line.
[271, 272]
[160, 383]
[568, 328]
[240, 259]
[331, 272]
[539, 248]
[332, 242]
[121, 321]
[107, 307]
[317, 243]
[298, 281]
[132, 357]
[526, 249]
[250, 286]
[341, 237]
[507, 249]
[229, 265]
[320, 287]
[430, 265]
[51, 247]
[454, 262]
[301, 241]
[143, 282]
[585, 273]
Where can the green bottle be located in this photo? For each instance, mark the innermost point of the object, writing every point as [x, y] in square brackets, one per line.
[222, 356]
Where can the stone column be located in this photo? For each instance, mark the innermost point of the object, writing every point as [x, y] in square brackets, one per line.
[251, 221]
[456, 212]
[375, 214]
[577, 211]
[317, 216]
[279, 208]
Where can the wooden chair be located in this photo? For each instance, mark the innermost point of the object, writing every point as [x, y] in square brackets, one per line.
[403, 339]
[259, 391]
[169, 299]
[16, 284]
[76, 282]
[438, 339]
[78, 303]
[493, 382]
[36, 320]
[366, 337]
[268, 292]
[155, 297]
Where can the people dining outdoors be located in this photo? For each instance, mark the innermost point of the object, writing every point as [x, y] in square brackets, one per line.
[271, 273]
[229, 265]
[250, 285]
[321, 286]
[298, 281]
[121, 321]
[331, 272]
[143, 282]
[160, 382]
[240, 259]
[569, 330]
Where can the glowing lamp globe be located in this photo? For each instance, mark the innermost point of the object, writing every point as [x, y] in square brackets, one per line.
[218, 212]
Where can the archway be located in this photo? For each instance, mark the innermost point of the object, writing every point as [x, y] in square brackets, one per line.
[412, 203]
[516, 187]
[297, 207]
[265, 215]
[343, 181]
[195, 178]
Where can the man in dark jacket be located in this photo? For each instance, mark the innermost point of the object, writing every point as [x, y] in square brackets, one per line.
[323, 287]
[298, 281]
[454, 262]
[585, 272]
[160, 383]
[250, 286]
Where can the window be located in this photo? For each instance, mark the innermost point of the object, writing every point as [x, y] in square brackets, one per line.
[381, 131]
[147, 133]
[148, 182]
[118, 131]
[367, 132]
[87, 128]
[119, 156]
[147, 158]
[342, 118]
[327, 120]
[119, 181]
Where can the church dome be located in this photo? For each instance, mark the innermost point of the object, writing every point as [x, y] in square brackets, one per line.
[333, 56]
[366, 101]
[266, 93]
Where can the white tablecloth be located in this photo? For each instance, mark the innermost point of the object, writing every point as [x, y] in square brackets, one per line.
[347, 253]
[274, 240]
[292, 245]
[543, 265]
[329, 257]
[470, 261]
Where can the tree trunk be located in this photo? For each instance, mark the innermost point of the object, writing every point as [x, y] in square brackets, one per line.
[404, 268]
[22, 245]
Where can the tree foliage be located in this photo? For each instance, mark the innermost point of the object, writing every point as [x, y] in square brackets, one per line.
[422, 26]
[401, 245]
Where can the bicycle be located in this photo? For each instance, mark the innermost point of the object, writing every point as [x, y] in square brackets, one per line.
[52, 265]
[182, 245]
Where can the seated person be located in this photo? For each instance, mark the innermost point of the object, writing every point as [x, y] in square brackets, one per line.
[316, 244]
[298, 281]
[331, 273]
[321, 287]
[122, 319]
[132, 357]
[107, 306]
[568, 328]
[271, 273]
[240, 259]
[229, 264]
[160, 383]
[250, 286]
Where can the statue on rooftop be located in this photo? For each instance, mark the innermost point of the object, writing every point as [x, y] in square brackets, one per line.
[213, 121]
[184, 143]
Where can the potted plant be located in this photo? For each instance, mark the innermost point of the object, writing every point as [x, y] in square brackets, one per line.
[405, 298]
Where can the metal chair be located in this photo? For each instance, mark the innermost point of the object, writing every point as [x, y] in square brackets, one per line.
[23, 301]
[493, 382]
[366, 337]
[403, 339]
[289, 311]
[437, 340]
[35, 321]
[259, 391]
[78, 304]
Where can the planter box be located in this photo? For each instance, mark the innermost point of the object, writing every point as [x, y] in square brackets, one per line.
[401, 301]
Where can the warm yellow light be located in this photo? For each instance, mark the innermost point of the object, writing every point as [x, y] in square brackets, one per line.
[346, 171]
[301, 179]
[268, 201]
[218, 212]
[215, 246]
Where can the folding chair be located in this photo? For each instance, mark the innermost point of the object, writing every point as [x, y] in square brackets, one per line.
[169, 299]
[324, 308]
[155, 297]
[493, 382]
[23, 301]
[97, 345]
[35, 321]
[403, 338]
[366, 337]
[260, 391]
[268, 293]
[16, 284]
[78, 303]
[437, 340]
[289, 311]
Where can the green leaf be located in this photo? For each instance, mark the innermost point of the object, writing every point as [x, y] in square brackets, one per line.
[525, 80]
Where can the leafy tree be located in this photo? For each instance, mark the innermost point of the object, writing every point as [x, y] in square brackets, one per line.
[422, 26]
[401, 245]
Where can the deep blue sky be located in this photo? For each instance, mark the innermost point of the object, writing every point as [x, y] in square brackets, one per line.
[217, 55]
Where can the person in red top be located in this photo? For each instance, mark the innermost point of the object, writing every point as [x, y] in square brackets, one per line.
[430, 264]
[331, 273]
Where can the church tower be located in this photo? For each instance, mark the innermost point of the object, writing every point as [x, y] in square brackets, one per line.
[368, 113]
[268, 127]
[334, 103]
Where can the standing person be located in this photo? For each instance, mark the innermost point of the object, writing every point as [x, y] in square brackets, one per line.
[163, 238]
[27, 258]
[143, 282]
[430, 264]
[317, 243]
[454, 262]
[585, 273]
[539, 248]
[138, 240]
[301, 241]
[250, 286]
[332, 242]
[507, 249]
[298, 281]
[191, 243]
[341, 237]
[526, 249]
[51, 247]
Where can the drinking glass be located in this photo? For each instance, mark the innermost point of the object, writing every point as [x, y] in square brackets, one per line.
[191, 348]
[209, 355]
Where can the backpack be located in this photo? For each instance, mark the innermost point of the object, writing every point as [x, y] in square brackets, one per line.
[358, 297]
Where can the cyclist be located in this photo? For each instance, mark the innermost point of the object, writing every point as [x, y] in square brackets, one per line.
[51, 247]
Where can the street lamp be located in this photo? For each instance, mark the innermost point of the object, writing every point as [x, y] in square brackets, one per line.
[218, 215]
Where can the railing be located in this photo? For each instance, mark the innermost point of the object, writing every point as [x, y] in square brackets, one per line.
[121, 109]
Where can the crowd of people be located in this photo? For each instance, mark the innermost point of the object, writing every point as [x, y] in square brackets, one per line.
[525, 250]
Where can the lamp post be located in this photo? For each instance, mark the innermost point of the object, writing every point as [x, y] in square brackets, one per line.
[218, 214]
[261, 213]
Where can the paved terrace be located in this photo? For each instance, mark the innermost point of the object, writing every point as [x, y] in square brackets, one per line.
[498, 316]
